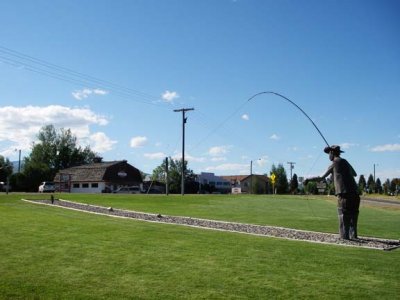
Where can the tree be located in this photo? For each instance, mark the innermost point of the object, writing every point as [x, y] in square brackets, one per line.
[259, 185]
[386, 187]
[370, 184]
[18, 182]
[281, 182]
[395, 186]
[378, 186]
[6, 168]
[361, 184]
[55, 150]
[174, 176]
[294, 184]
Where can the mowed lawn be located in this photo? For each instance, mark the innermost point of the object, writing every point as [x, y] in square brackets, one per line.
[52, 253]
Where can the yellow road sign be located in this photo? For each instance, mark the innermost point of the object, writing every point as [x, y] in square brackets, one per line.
[273, 176]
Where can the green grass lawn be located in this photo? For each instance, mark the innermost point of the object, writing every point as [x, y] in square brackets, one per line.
[49, 252]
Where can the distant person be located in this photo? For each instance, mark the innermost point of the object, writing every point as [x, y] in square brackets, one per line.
[346, 191]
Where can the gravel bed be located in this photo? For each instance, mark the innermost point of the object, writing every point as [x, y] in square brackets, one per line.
[269, 231]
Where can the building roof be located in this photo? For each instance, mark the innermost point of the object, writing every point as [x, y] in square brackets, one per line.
[240, 178]
[235, 178]
[102, 171]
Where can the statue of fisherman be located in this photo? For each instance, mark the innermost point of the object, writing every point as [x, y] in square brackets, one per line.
[346, 191]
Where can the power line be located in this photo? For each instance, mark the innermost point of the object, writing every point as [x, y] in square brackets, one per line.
[71, 72]
[54, 71]
[51, 70]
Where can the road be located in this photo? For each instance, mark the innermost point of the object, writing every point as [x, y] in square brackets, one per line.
[380, 202]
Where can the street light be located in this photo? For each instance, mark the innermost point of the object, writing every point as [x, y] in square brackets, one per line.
[374, 171]
[374, 179]
[19, 160]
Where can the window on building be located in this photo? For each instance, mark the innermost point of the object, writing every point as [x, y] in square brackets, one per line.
[85, 185]
[75, 185]
[95, 185]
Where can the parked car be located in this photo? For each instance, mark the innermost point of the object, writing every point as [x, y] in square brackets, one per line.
[47, 187]
[127, 190]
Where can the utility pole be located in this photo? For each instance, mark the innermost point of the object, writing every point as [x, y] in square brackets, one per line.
[291, 163]
[184, 119]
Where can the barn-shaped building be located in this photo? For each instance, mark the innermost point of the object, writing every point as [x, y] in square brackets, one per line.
[98, 177]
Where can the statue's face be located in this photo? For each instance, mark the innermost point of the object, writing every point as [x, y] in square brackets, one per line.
[331, 156]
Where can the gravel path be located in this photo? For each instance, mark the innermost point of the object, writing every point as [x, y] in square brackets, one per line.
[269, 231]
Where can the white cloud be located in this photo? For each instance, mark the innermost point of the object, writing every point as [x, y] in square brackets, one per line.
[84, 93]
[188, 157]
[168, 96]
[274, 137]
[138, 141]
[218, 158]
[388, 174]
[156, 155]
[262, 161]
[191, 158]
[386, 148]
[245, 117]
[347, 145]
[219, 150]
[19, 126]
[100, 142]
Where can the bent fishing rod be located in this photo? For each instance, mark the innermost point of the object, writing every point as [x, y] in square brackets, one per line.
[298, 107]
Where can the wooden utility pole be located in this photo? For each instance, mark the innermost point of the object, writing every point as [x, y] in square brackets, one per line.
[184, 119]
[291, 163]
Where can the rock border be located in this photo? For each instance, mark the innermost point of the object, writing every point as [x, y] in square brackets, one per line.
[258, 230]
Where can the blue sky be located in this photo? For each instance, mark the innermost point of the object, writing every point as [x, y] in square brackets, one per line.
[126, 65]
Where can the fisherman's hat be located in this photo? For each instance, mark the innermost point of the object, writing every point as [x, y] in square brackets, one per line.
[333, 148]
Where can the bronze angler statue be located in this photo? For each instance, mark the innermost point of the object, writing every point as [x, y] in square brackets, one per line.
[346, 191]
